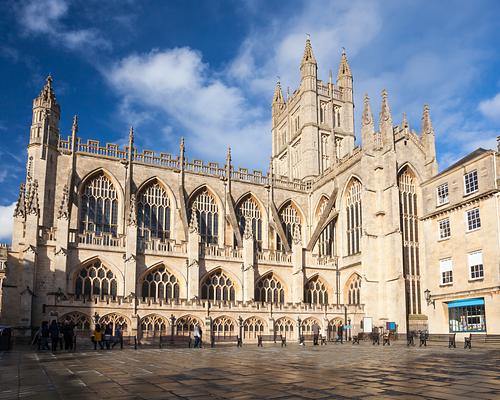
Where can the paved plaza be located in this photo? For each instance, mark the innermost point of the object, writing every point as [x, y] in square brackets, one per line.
[323, 372]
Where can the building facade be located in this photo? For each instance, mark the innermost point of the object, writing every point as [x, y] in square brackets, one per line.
[330, 235]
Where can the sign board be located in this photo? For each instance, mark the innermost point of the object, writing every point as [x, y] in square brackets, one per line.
[367, 324]
[391, 326]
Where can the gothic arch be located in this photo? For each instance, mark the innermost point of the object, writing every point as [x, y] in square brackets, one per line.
[219, 284]
[153, 325]
[408, 165]
[210, 209]
[92, 174]
[270, 288]
[247, 194]
[80, 321]
[290, 215]
[320, 204]
[249, 206]
[160, 282]
[185, 325]
[307, 324]
[224, 326]
[285, 326]
[317, 290]
[295, 205]
[115, 319]
[199, 190]
[167, 188]
[90, 272]
[253, 327]
[352, 207]
[352, 289]
[348, 182]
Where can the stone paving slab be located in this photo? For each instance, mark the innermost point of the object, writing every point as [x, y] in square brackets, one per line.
[294, 372]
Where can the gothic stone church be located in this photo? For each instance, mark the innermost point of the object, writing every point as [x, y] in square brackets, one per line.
[148, 239]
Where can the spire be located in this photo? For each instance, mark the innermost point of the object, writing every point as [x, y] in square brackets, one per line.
[385, 111]
[131, 136]
[344, 69]
[330, 77]
[426, 121]
[47, 93]
[228, 155]
[32, 205]
[278, 94]
[63, 211]
[20, 210]
[404, 123]
[308, 56]
[367, 118]
[74, 127]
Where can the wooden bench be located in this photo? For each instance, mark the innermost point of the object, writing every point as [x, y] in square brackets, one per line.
[437, 337]
[226, 339]
[481, 338]
[271, 339]
[310, 338]
[175, 341]
[359, 336]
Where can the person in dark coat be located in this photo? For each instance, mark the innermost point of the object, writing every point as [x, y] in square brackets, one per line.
[54, 334]
[340, 332]
[68, 334]
[44, 336]
[315, 330]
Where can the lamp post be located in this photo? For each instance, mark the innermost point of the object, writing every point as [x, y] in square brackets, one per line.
[172, 325]
[299, 323]
[240, 322]
[345, 321]
[96, 318]
[428, 298]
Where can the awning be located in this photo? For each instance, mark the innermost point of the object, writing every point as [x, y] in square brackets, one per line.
[466, 302]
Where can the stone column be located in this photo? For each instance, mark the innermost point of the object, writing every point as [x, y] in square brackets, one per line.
[131, 250]
[248, 262]
[193, 265]
[297, 267]
[61, 251]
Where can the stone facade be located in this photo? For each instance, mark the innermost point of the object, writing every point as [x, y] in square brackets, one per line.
[151, 240]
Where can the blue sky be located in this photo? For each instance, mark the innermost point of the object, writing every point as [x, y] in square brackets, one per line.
[206, 70]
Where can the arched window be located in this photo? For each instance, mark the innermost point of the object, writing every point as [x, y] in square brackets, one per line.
[223, 326]
[79, 320]
[153, 325]
[354, 217]
[284, 326]
[208, 216]
[326, 240]
[289, 219]
[316, 291]
[160, 284]
[307, 325]
[354, 290]
[250, 209]
[185, 325]
[115, 319]
[218, 286]
[253, 327]
[99, 206]
[333, 327]
[409, 227]
[153, 212]
[95, 279]
[269, 290]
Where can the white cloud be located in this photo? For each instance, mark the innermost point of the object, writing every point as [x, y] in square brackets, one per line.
[491, 108]
[6, 221]
[39, 17]
[214, 114]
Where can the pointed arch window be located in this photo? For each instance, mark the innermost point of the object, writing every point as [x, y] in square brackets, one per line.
[218, 286]
[160, 284]
[316, 292]
[354, 217]
[223, 326]
[284, 326]
[185, 325]
[250, 209]
[269, 290]
[99, 206]
[95, 279]
[208, 216]
[327, 238]
[354, 291]
[289, 219]
[253, 327]
[153, 212]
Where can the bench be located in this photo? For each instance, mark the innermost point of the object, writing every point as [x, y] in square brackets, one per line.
[437, 337]
[359, 336]
[310, 338]
[481, 338]
[226, 339]
[271, 339]
[175, 341]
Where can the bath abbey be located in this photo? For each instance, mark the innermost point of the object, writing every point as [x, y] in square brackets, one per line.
[360, 232]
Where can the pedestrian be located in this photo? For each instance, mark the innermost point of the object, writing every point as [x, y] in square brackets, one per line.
[54, 334]
[68, 335]
[118, 336]
[197, 337]
[315, 330]
[61, 337]
[340, 332]
[97, 337]
[108, 334]
[44, 336]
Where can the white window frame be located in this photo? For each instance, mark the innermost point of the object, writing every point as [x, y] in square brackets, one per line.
[475, 259]
[445, 266]
[440, 229]
[465, 184]
[469, 229]
[438, 197]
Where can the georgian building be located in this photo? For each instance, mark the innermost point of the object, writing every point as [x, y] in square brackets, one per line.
[332, 232]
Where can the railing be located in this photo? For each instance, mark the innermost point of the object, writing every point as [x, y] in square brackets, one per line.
[198, 167]
[212, 250]
[324, 261]
[274, 256]
[104, 239]
[46, 234]
[161, 246]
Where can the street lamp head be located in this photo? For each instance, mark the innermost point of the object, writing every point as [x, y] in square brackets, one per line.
[427, 294]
